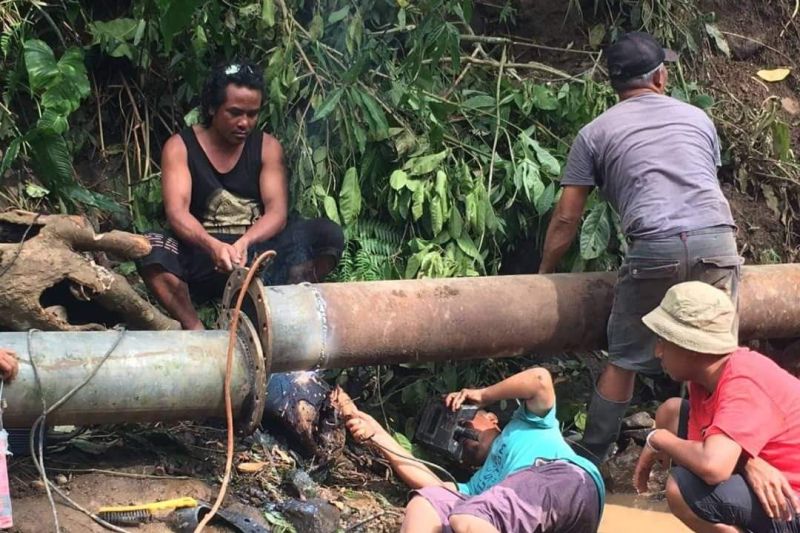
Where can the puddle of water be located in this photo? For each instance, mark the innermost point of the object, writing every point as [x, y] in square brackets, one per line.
[628, 513]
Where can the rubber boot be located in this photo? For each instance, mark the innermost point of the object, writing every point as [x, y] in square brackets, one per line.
[603, 421]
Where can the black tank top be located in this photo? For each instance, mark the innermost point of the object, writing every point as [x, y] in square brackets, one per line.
[227, 202]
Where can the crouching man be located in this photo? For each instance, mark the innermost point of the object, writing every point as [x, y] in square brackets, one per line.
[736, 441]
[529, 477]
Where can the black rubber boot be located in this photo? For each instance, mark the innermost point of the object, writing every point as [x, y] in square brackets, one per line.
[603, 421]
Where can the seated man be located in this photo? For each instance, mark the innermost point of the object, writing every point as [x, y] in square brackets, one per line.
[736, 441]
[531, 480]
[226, 200]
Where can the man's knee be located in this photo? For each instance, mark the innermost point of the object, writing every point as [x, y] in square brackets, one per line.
[420, 515]
[464, 523]
[668, 414]
[677, 504]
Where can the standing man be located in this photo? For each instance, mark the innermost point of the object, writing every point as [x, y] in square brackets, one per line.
[655, 160]
[736, 440]
[226, 200]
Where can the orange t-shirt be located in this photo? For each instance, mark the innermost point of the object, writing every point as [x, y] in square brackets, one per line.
[757, 404]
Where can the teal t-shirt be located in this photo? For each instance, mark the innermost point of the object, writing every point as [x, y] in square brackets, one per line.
[526, 438]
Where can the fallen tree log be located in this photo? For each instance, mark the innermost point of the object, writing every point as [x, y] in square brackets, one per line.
[48, 250]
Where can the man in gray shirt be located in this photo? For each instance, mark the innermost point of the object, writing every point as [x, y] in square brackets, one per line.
[655, 160]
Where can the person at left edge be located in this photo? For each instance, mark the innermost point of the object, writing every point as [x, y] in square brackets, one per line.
[226, 200]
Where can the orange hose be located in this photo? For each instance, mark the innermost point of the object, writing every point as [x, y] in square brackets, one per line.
[227, 388]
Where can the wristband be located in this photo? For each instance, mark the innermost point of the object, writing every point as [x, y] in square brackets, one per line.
[649, 444]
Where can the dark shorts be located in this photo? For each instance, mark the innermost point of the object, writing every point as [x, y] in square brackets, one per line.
[300, 241]
[732, 502]
[552, 497]
[650, 268]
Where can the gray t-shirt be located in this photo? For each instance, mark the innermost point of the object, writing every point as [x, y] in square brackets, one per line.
[655, 160]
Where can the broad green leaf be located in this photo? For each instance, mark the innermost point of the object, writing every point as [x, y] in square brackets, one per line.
[596, 232]
[376, 116]
[398, 180]
[268, 12]
[437, 215]
[544, 99]
[338, 15]
[549, 163]
[355, 32]
[329, 204]
[412, 267]
[329, 104]
[350, 197]
[528, 177]
[481, 101]
[53, 121]
[317, 27]
[596, 35]
[719, 39]
[781, 140]
[40, 62]
[403, 441]
[417, 203]
[703, 101]
[456, 223]
[424, 164]
[466, 244]
[119, 29]
[441, 184]
[545, 201]
[35, 191]
[175, 17]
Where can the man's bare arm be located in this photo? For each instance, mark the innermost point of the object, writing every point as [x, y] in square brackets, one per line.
[713, 460]
[176, 185]
[563, 226]
[274, 196]
[534, 386]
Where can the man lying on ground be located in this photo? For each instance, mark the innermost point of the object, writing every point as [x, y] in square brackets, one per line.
[736, 440]
[530, 479]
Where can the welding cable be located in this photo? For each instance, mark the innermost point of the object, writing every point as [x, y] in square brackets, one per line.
[39, 425]
[416, 459]
[232, 329]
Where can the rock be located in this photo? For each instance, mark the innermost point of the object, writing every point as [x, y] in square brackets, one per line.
[618, 470]
[743, 48]
[60, 479]
[38, 484]
[303, 485]
[311, 516]
[639, 420]
[790, 105]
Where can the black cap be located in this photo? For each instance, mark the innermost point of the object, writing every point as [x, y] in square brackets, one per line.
[634, 54]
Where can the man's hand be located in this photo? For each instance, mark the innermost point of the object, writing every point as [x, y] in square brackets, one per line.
[641, 474]
[8, 364]
[241, 246]
[362, 426]
[454, 400]
[776, 495]
[225, 256]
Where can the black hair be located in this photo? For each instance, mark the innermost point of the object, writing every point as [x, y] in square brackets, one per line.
[242, 73]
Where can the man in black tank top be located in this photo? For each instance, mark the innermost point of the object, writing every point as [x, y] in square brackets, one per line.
[226, 200]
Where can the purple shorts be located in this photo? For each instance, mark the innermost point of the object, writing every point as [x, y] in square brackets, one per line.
[554, 497]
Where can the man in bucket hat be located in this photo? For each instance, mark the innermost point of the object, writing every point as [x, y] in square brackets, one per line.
[735, 443]
[655, 159]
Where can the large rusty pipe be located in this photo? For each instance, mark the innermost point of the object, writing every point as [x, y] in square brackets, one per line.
[165, 376]
[345, 324]
[150, 376]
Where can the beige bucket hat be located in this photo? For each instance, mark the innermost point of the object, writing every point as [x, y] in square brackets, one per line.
[695, 316]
